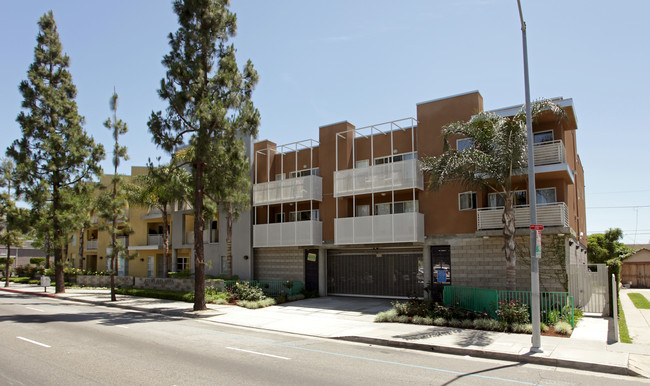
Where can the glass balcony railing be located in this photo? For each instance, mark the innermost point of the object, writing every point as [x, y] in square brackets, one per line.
[378, 178]
[289, 190]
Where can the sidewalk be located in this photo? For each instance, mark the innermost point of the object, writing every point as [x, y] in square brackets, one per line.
[352, 319]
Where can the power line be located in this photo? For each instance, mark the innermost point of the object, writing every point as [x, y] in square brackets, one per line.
[619, 207]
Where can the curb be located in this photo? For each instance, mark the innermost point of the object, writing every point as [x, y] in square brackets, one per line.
[527, 358]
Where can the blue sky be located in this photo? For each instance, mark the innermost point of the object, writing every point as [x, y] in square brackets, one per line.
[367, 62]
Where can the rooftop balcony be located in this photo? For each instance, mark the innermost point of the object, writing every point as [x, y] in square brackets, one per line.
[556, 214]
[379, 178]
[387, 228]
[289, 190]
[288, 234]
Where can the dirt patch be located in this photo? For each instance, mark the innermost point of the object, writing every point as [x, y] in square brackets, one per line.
[551, 332]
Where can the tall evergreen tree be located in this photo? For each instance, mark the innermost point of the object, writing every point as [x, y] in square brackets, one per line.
[113, 205]
[9, 232]
[209, 99]
[55, 151]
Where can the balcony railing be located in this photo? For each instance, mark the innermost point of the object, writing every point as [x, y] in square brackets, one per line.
[549, 153]
[289, 190]
[556, 214]
[378, 178]
[91, 245]
[288, 234]
[387, 228]
[154, 240]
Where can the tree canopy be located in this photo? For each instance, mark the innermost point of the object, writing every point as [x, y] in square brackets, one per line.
[606, 246]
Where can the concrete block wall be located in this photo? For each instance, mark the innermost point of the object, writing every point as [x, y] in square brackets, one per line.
[480, 262]
[279, 264]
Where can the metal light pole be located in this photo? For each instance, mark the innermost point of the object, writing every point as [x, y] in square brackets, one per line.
[532, 193]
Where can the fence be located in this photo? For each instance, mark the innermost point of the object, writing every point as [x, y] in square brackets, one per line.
[588, 284]
[271, 287]
[553, 305]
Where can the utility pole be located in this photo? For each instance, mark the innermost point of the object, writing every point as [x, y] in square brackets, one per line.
[532, 193]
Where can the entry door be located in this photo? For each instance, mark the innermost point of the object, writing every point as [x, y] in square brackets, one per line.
[311, 269]
[440, 270]
[159, 266]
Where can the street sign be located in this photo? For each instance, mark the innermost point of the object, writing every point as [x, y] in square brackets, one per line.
[538, 239]
[45, 282]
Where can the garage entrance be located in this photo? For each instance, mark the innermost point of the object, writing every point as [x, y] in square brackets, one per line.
[397, 274]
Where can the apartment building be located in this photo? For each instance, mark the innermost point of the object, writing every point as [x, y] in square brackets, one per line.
[349, 213]
[145, 244]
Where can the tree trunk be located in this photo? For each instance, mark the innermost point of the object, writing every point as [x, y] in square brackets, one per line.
[199, 257]
[114, 232]
[7, 263]
[58, 237]
[165, 239]
[229, 241]
[81, 247]
[510, 247]
[47, 250]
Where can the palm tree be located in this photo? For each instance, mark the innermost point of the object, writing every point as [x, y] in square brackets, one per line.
[498, 153]
[160, 188]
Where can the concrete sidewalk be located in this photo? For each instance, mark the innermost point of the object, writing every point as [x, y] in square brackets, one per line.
[353, 319]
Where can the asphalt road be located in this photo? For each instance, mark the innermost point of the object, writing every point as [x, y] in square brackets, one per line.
[45, 341]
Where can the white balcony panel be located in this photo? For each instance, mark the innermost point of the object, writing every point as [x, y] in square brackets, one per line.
[91, 245]
[289, 190]
[154, 239]
[556, 214]
[389, 228]
[288, 234]
[550, 153]
[379, 178]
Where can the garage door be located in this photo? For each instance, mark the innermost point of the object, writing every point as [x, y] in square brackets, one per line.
[395, 274]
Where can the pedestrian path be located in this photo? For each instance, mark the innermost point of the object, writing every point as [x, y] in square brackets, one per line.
[589, 347]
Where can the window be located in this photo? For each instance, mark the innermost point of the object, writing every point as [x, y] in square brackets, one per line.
[464, 144]
[74, 240]
[280, 177]
[496, 200]
[304, 173]
[363, 210]
[545, 196]
[396, 158]
[181, 264]
[279, 217]
[304, 215]
[396, 208]
[363, 163]
[214, 231]
[383, 209]
[467, 201]
[543, 137]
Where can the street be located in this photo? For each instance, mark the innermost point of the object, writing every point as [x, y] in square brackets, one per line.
[45, 341]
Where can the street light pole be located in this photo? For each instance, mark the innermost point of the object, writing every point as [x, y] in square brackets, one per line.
[532, 193]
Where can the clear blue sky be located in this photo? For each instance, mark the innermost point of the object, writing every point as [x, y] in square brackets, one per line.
[367, 62]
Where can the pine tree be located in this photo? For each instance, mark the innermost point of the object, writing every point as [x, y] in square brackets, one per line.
[209, 100]
[10, 234]
[55, 152]
[113, 204]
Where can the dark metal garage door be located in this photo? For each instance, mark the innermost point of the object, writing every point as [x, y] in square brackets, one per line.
[395, 274]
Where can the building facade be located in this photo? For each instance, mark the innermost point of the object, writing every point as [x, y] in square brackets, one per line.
[350, 214]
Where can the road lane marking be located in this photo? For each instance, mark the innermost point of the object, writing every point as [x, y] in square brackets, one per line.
[258, 353]
[34, 309]
[33, 341]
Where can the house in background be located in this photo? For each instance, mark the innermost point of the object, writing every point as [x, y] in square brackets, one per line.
[635, 270]
[349, 213]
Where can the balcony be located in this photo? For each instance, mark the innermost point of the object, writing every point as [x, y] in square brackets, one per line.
[378, 178]
[288, 234]
[556, 214]
[91, 245]
[154, 240]
[387, 228]
[550, 157]
[289, 190]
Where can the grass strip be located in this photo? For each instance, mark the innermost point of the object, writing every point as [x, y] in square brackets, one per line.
[623, 332]
[157, 294]
[639, 301]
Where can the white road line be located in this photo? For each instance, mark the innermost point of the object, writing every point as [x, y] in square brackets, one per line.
[34, 309]
[258, 353]
[33, 341]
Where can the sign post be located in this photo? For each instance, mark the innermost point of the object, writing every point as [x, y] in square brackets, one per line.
[45, 282]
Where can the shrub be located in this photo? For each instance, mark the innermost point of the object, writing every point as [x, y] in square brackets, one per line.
[439, 322]
[487, 324]
[423, 320]
[403, 319]
[292, 298]
[467, 323]
[184, 274]
[520, 328]
[577, 314]
[554, 317]
[245, 291]
[455, 323]
[513, 312]
[37, 260]
[563, 328]
[257, 303]
[413, 307]
[386, 316]
[543, 327]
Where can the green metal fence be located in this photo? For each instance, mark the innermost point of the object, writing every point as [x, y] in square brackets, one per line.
[553, 305]
[271, 287]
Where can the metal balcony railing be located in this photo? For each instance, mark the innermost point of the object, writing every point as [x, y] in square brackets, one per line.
[555, 214]
[387, 228]
[288, 234]
[288, 190]
[379, 178]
